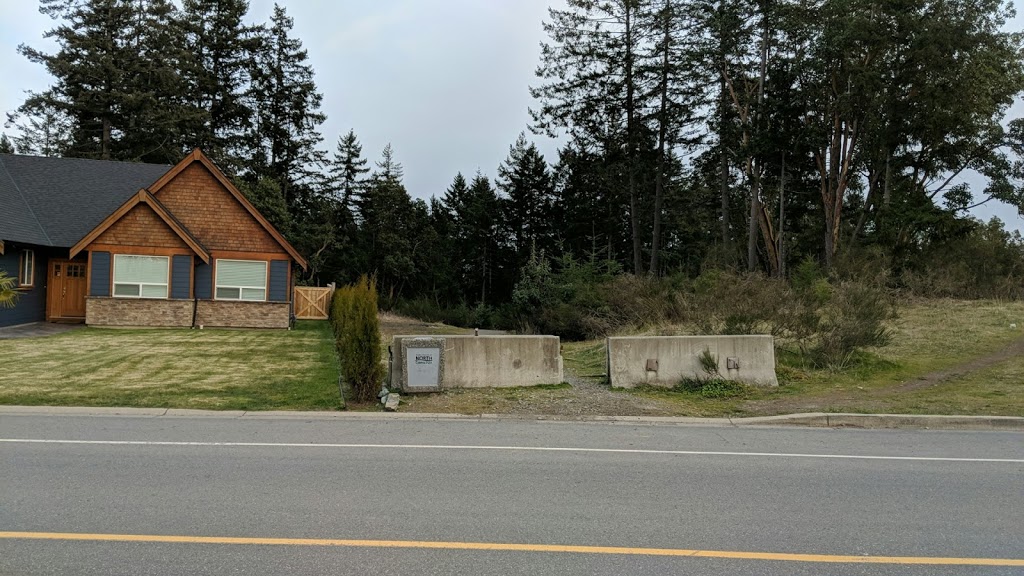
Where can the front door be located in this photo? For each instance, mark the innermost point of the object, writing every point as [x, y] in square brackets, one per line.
[65, 298]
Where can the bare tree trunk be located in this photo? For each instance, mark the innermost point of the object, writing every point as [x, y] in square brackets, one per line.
[105, 140]
[634, 221]
[724, 160]
[659, 179]
[782, 219]
[755, 181]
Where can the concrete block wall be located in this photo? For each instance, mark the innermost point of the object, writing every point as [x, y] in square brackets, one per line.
[665, 360]
[137, 312]
[489, 361]
[236, 314]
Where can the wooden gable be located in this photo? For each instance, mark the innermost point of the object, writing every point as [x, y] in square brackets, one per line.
[142, 221]
[209, 211]
[141, 226]
[215, 212]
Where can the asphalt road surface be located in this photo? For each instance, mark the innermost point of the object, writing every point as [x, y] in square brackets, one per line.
[328, 495]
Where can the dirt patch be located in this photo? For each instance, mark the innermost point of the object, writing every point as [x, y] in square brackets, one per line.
[1012, 350]
[582, 397]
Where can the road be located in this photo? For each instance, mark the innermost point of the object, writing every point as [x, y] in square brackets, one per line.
[329, 495]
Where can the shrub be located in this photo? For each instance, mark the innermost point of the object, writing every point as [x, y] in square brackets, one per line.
[828, 321]
[854, 318]
[462, 314]
[357, 336]
[728, 303]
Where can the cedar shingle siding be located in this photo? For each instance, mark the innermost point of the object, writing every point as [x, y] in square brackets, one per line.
[212, 214]
[141, 227]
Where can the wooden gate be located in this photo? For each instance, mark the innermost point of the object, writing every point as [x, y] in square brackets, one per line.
[312, 303]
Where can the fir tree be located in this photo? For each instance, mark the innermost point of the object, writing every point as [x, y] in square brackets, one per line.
[216, 75]
[346, 174]
[525, 180]
[284, 137]
[115, 78]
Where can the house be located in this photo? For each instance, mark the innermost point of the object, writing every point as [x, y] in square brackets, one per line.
[127, 244]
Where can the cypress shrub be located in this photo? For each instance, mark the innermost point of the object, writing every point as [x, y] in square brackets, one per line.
[357, 335]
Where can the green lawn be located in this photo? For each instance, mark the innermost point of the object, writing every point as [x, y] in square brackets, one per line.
[173, 368]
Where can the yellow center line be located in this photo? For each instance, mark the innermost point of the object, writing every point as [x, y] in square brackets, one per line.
[496, 546]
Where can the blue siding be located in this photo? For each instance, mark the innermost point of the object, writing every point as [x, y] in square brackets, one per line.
[181, 276]
[278, 291]
[31, 305]
[99, 276]
[204, 280]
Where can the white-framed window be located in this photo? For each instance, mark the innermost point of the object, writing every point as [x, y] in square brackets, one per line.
[241, 280]
[27, 268]
[141, 276]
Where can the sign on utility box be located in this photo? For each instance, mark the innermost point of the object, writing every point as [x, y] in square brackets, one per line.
[422, 360]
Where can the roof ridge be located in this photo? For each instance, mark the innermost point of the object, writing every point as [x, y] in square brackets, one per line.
[3, 166]
[78, 158]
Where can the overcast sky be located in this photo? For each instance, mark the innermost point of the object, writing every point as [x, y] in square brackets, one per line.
[444, 81]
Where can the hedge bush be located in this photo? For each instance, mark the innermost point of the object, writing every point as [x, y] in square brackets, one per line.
[357, 336]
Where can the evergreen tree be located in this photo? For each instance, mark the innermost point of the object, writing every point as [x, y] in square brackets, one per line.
[347, 170]
[6, 146]
[115, 78]
[216, 75]
[475, 211]
[525, 180]
[42, 131]
[87, 70]
[153, 109]
[592, 87]
[390, 222]
[284, 137]
[387, 167]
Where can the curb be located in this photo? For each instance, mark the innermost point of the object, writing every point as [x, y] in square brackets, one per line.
[807, 420]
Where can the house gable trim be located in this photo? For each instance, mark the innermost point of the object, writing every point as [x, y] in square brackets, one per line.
[144, 197]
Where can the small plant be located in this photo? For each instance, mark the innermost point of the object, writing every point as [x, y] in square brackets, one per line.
[8, 295]
[712, 387]
[709, 364]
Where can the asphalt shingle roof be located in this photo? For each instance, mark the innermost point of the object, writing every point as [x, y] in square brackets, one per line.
[57, 201]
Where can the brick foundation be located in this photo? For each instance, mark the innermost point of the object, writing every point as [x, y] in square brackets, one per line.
[137, 312]
[229, 314]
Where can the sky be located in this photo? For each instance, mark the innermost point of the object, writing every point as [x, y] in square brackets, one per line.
[446, 82]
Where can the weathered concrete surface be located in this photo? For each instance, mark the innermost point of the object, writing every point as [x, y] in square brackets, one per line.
[36, 330]
[665, 360]
[488, 361]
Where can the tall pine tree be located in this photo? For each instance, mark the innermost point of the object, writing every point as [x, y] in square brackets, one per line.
[286, 106]
[216, 74]
[526, 182]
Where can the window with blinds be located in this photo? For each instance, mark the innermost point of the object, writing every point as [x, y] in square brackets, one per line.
[241, 280]
[140, 276]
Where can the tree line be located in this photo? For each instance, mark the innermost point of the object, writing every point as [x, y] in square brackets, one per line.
[737, 134]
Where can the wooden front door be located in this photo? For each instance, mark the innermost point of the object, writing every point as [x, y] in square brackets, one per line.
[65, 290]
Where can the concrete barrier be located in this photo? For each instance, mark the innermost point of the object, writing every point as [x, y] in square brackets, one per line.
[665, 360]
[474, 362]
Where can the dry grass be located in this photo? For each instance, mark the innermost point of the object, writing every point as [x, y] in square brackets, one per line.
[215, 369]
